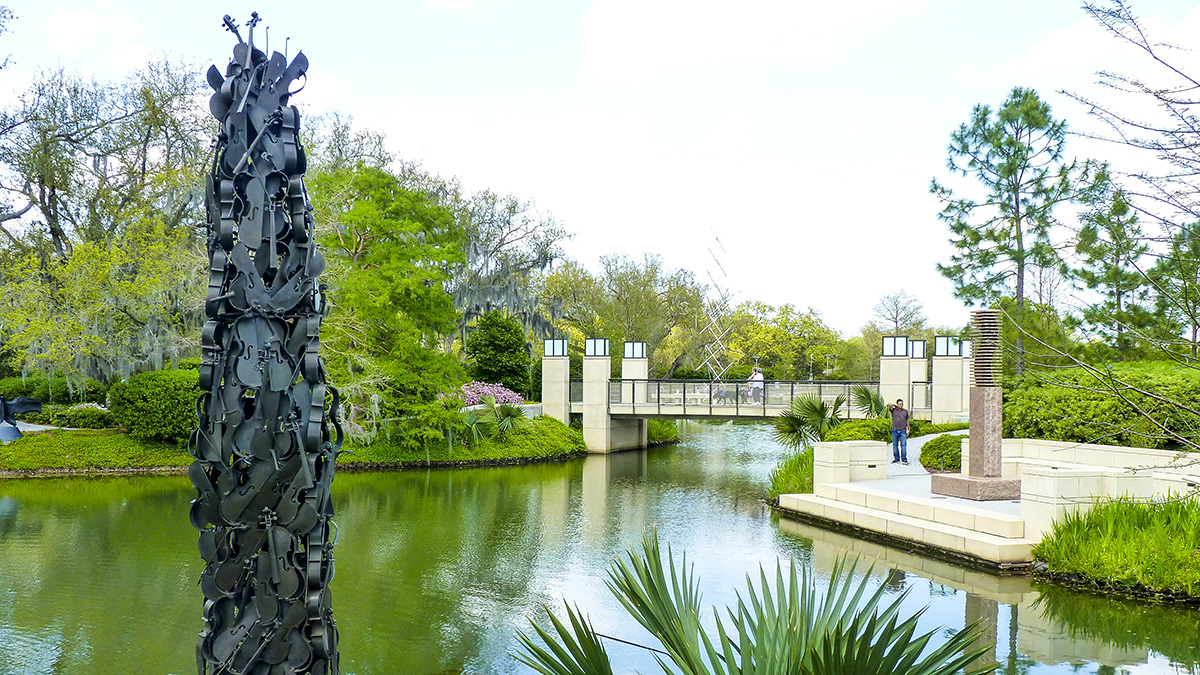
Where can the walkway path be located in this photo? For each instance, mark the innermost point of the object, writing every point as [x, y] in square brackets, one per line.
[913, 480]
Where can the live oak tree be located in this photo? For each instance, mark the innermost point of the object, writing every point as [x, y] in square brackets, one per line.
[1016, 155]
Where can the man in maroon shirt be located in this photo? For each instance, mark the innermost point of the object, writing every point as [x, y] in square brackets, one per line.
[899, 431]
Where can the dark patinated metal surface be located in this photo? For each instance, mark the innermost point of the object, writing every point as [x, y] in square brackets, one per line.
[266, 442]
[8, 415]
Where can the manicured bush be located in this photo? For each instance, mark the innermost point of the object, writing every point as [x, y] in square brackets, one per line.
[157, 405]
[861, 430]
[659, 432]
[84, 416]
[793, 475]
[87, 449]
[943, 453]
[1070, 410]
[1138, 547]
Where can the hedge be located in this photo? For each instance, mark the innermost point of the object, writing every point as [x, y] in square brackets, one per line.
[76, 417]
[542, 438]
[1059, 412]
[660, 432]
[943, 453]
[157, 406]
[57, 390]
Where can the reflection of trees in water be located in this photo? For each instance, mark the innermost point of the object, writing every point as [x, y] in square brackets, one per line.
[1171, 631]
[444, 558]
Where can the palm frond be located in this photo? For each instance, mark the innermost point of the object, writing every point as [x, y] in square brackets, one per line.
[569, 651]
[868, 401]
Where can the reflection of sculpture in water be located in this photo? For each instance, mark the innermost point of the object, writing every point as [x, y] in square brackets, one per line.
[264, 449]
[8, 415]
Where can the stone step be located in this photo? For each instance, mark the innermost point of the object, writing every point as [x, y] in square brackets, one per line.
[933, 509]
[925, 533]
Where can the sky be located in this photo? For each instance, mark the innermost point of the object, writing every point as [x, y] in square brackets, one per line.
[792, 141]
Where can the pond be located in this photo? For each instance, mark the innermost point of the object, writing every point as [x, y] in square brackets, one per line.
[437, 570]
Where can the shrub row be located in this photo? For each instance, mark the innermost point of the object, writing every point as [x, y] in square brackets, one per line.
[1074, 409]
[87, 449]
[75, 417]
[57, 390]
[542, 437]
[659, 432]
[881, 430]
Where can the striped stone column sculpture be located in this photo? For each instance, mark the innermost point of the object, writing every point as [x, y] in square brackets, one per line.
[984, 481]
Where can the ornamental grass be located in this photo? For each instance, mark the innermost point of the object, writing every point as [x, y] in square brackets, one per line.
[1136, 546]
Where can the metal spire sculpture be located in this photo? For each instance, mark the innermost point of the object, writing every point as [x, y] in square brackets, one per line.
[265, 447]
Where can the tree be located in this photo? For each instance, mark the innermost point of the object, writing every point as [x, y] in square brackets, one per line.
[1175, 278]
[1016, 154]
[630, 300]
[1109, 246]
[391, 255]
[785, 342]
[498, 352]
[900, 310]
[99, 261]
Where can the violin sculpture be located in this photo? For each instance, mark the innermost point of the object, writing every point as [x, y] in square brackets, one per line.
[268, 429]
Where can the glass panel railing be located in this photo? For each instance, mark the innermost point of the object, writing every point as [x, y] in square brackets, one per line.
[576, 391]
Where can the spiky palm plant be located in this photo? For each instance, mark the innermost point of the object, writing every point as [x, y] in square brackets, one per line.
[868, 401]
[781, 626]
[807, 420]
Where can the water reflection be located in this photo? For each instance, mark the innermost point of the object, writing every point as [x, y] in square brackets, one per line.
[438, 570]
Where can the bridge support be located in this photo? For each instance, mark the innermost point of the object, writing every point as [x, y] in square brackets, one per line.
[601, 432]
[556, 380]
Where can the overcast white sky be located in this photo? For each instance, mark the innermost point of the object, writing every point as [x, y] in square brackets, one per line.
[802, 134]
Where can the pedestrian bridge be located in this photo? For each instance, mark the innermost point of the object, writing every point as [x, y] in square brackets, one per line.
[615, 410]
[717, 399]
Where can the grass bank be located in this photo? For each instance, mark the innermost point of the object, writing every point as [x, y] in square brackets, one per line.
[1146, 550]
[83, 451]
[793, 475]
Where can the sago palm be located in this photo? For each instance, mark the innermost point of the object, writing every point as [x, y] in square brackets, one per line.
[807, 420]
[781, 626]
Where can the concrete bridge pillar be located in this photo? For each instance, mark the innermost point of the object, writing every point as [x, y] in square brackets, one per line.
[950, 379]
[894, 370]
[556, 380]
[918, 368]
[602, 433]
[635, 366]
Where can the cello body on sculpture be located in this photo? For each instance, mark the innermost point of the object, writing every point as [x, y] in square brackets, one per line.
[266, 442]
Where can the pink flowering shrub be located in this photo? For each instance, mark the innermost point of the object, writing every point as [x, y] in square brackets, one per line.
[473, 393]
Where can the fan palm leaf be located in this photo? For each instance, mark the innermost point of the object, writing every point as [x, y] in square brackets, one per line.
[868, 401]
[807, 420]
[781, 626]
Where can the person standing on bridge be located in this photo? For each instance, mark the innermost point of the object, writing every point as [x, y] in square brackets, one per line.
[756, 385]
[899, 431]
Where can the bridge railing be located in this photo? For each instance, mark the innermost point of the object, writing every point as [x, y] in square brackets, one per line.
[576, 391]
[723, 397]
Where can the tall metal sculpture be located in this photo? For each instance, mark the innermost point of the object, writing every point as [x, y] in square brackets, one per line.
[265, 446]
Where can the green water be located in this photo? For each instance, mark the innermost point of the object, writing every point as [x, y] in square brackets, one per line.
[437, 570]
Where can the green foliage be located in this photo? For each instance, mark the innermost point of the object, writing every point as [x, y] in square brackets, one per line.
[862, 430]
[943, 453]
[781, 340]
[780, 625]
[541, 438]
[390, 254]
[808, 420]
[1075, 406]
[661, 432]
[88, 449]
[158, 405]
[869, 401]
[77, 417]
[1016, 155]
[1142, 547]
[56, 390]
[793, 475]
[497, 351]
